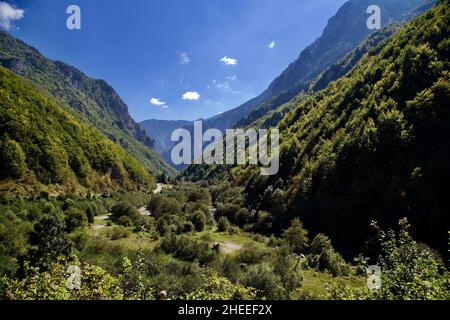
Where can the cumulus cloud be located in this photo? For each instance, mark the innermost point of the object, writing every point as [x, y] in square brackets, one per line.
[191, 95]
[229, 61]
[184, 58]
[272, 45]
[157, 102]
[8, 14]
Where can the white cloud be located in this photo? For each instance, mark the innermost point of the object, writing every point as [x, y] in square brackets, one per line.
[191, 95]
[272, 45]
[229, 61]
[232, 78]
[224, 85]
[8, 14]
[184, 58]
[157, 102]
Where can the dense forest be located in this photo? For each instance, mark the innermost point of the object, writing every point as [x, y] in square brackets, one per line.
[42, 145]
[373, 145]
[364, 160]
[91, 101]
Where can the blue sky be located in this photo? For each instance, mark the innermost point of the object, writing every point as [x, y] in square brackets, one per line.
[177, 59]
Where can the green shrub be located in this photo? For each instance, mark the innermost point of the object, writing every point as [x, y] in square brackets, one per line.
[223, 225]
[48, 241]
[75, 218]
[188, 248]
[323, 257]
[124, 208]
[198, 219]
[119, 232]
[252, 254]
[125, 221]
[12, 159]
[296, 236]
[265, 281]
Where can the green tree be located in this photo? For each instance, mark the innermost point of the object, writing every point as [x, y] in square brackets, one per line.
[12, 159]
[75, 218]
[223, 224]
[48, 240]
[324, 258]
[199, 220]
[409, 271]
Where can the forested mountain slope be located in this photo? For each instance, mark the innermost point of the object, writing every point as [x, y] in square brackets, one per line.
[322, 59]
[91, 101]
[343, 32]
[374, 145]
[264, 117]
[43, 145]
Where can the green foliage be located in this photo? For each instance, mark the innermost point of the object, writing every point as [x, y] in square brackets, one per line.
[371, 145]
[288, 268]
[252, 254]
[188, 248]
[296, 236]
[75, 218]
[90, 101]
[12, 158]
[119, 232]
[124, 208]
[409, 271]
[95, 284]
[55, 147]
[223, 224]
[133, 284]
[125, 214]
[324, 258]
[13, 241]
[125, 221]
[198, 219]
[220, 288]
[48, 240]
[265, 281]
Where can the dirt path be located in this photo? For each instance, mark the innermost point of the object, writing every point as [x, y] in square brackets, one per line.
[229, 247]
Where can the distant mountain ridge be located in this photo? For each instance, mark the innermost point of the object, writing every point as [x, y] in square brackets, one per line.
[343, 33]
[162, 131]
[92, 101]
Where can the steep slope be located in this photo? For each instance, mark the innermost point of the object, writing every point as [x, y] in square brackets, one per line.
[346, 30]
[92, 101]
[265, 117]
[272, 111]
[374, 145]
[343, 32]
[43, 145]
